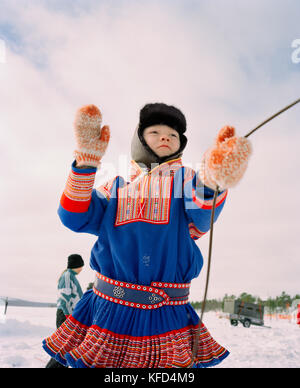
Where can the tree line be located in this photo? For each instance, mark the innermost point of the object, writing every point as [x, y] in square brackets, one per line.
[278, 303]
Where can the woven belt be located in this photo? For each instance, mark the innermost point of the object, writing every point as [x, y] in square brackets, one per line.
[156, 295]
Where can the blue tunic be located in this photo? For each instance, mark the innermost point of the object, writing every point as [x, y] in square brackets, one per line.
[146, 232]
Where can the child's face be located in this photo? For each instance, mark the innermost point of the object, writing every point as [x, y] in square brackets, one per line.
[163, 140]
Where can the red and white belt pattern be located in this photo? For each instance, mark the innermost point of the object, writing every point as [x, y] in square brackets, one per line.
[156, 295]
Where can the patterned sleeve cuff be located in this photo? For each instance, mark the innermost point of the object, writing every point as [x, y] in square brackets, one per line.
[78, 191]
[203, 196]
[203, 203]
[195, 233]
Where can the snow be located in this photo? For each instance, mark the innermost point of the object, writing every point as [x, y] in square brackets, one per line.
[23, 329]
[275, 346]
[21, 334]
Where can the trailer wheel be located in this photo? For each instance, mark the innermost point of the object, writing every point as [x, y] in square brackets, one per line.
[246, 323]
[234, 322]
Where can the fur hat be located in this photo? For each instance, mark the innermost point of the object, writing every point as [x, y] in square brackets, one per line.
[153, 114]
[75, 261]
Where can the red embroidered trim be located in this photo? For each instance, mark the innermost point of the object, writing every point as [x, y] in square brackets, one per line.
[207, 204]
[151, 205]
[78, 191]
[195, 233]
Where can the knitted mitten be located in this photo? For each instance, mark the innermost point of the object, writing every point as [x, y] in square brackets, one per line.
[92, 141]
[225, 163]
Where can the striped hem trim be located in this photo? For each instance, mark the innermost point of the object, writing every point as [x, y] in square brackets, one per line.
[95, 347]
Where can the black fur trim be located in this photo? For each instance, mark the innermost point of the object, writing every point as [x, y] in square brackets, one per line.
[159, 113]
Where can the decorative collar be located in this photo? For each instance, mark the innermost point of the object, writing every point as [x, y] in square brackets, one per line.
[164, 169]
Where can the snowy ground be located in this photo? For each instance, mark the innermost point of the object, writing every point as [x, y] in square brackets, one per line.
[23, 329]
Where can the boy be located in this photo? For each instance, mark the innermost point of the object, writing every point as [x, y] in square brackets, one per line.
[137, 314]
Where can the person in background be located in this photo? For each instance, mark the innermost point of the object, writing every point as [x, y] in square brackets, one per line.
[69, 293]
[298, 315]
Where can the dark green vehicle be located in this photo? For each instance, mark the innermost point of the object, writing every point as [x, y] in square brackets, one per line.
[246, 313]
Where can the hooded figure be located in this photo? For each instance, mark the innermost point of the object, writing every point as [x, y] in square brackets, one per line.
[154, 114]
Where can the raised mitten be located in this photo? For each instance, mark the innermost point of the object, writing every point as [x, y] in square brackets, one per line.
[225, 163]
[92, 141]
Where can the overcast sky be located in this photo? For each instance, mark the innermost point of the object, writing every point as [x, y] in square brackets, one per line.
[221, 62]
